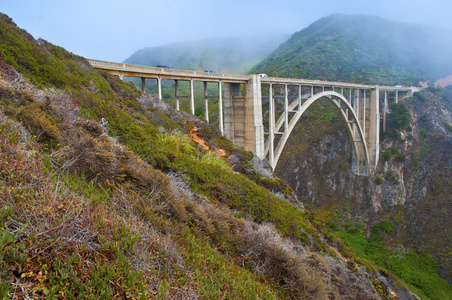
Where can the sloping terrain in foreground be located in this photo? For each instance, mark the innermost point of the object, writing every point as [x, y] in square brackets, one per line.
[104, 195]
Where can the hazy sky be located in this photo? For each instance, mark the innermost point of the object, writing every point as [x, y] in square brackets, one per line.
[114, 29]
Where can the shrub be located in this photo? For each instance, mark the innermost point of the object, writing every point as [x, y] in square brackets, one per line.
[385, 155]
[424, 133]
[400, 156]
[384, 227]
[378, 180]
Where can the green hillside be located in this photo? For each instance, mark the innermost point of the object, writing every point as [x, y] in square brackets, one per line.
[221, 55]
[362, 49]
[104, 195]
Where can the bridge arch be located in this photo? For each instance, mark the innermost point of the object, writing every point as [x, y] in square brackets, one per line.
[362, 164]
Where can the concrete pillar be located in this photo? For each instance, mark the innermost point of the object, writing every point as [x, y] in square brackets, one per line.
[143, 85]
[299, 97]
[312, 90]
[159, 88]
[176, 94]
[229, 117]
[373, 132]
[286, 108]
[192, 98]
[243, 115]
[271, 128]
[220, 108]
[254, 130]
[396, 96]
[206, 103]
[364, 107]
[357, 159]
[356, 103]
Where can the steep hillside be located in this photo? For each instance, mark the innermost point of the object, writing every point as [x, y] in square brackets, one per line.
[104, 195]
[363, 49]
[221, 55]
[410, 191]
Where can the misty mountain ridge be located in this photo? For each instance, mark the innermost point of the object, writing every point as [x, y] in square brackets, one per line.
[363, 49]
[221, 55]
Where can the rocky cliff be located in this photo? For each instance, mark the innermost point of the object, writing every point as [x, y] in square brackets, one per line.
[411, 187]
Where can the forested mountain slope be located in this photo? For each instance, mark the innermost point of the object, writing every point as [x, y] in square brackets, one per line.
[221, 55]
[363, 49]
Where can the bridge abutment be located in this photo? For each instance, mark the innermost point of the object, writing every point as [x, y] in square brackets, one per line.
[243, 115]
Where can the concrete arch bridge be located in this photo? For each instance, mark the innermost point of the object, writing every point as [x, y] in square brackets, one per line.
[243, 98]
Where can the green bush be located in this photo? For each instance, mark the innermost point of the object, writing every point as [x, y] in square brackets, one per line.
[378, 180]
[384, 227]
[385, 155]
[400, 156]
[424, 133]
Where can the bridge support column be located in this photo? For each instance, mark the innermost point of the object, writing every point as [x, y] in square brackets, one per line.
[232, 104]
[359, 164]
[271, 127]
[220, 108]
[176, 94]
[206, 103]
[373, 128]
[299, 97]
[143, 85]
[192, 98]
[159, 88]
[286, 108]
[243, 115]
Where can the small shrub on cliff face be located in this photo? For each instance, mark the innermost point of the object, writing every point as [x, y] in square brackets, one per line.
[400, 157]
[385, 155]
[378, 180]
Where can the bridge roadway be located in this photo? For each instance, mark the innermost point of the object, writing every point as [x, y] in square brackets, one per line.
[243, 121]
[130, 70]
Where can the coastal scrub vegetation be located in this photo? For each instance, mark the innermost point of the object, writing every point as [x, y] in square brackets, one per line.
[103, 194]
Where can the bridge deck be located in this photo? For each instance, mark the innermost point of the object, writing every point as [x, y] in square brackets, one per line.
[174, 74]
